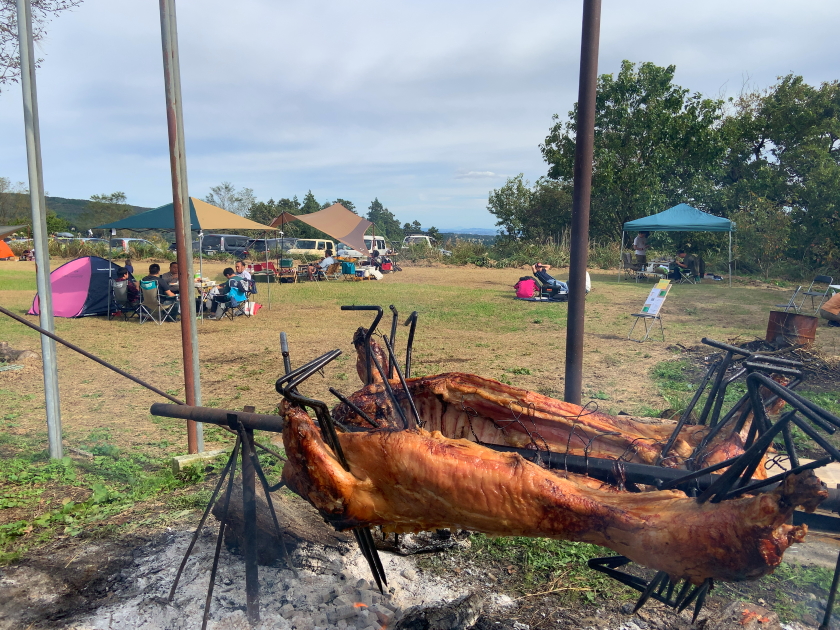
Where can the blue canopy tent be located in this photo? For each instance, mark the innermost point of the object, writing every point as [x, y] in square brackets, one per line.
[682, 218]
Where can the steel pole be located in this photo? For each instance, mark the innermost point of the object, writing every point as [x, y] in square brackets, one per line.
[181, 209]
[39, 225]
[584, 149]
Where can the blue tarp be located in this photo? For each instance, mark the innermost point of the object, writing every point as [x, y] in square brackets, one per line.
[681, 218]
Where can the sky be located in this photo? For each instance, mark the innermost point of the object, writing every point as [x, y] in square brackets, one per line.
[427, 106]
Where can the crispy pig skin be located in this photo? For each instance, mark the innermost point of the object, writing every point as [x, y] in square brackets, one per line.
[480, 409]
[413, 480]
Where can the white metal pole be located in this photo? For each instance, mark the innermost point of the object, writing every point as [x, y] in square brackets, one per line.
[730, 259]
[621, 256]
[39, 225]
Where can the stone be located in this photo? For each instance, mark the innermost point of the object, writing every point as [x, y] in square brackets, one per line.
[409, 574]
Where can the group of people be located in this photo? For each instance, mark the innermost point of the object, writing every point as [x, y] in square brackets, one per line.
[691, 263]
[233, 291]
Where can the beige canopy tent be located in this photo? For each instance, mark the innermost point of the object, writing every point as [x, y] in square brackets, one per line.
[5, 230]
[337, 221]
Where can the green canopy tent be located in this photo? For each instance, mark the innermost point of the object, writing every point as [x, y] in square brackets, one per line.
[681, 218]
[203, 216]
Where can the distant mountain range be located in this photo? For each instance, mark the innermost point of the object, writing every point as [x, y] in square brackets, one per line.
[70, 209]
[463, 230]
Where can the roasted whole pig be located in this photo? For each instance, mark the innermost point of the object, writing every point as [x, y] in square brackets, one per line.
[486, 411]
[413, 480]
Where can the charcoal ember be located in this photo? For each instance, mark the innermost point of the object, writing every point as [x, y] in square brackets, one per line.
[458, 614]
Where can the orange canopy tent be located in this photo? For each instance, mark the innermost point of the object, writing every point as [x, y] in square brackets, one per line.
[337, 221]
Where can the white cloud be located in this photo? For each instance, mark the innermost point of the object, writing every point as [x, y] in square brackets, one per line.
[372, 98]
[478, 175]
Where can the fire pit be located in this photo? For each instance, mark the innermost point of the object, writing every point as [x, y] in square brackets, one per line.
[717, 487]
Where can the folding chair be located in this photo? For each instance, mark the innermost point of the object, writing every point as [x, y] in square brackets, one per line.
[631, 269]
[152, 307]
[822, 295]
[235, 307]
[333, 272]
[551, 291]
[287, 271]
[792, 302]
[686, 276]
[120, 302]
[305, 273]
[250, 291]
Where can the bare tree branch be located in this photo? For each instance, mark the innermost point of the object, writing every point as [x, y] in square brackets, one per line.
[42, 12]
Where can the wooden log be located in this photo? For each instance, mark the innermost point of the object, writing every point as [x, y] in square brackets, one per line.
[299, 523]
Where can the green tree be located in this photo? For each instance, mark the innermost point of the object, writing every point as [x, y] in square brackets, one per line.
[54, 223]
[386, 223]
[763, 231]
[784, 147]
[511, 205]
[434, 233]
[656, 145]
[104, 209]
[14, 202]
[310, 204]
[347, 204]
[227, 197]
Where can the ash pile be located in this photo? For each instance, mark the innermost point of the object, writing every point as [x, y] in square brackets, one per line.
[329, 590]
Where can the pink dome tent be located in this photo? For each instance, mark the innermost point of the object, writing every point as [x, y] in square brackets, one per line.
[80, 288]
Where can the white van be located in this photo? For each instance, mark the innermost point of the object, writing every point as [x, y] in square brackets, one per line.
[379, 244]
[312, 247]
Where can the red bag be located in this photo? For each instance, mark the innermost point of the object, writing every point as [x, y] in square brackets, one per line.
[386, 267]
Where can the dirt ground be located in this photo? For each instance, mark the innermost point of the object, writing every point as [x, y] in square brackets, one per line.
[468, 322]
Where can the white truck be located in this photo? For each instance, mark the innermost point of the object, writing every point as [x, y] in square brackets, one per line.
[413, 240]
[379, 244]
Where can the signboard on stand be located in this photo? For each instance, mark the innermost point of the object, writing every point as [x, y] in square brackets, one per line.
[651, 310]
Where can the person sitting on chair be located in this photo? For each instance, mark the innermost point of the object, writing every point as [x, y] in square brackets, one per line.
[327, 260]
[241, 271]
[165, 294]
[171, 277]
[688, 262]
[230, 292]
[375, 260]
[541, 272]
[130, 286]
[526, 287]
[830, 310]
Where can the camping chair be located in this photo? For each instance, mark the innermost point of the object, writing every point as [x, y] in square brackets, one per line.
[686, 276]
[305, 273]
[120, 302]
[551, 292]
[792, 302]
[333, 272]
[631, 269]
[287, 270]
[816, 293]
[152, 307]
[234, 307]
[250, 291]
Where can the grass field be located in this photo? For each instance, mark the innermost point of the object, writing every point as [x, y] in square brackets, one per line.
[115, 478]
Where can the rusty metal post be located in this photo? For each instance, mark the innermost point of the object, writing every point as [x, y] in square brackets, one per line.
[181, 209]
[584, 150]
[40, 239]
[249, 517]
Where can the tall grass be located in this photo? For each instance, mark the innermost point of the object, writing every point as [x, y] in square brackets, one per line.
[507, 253]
